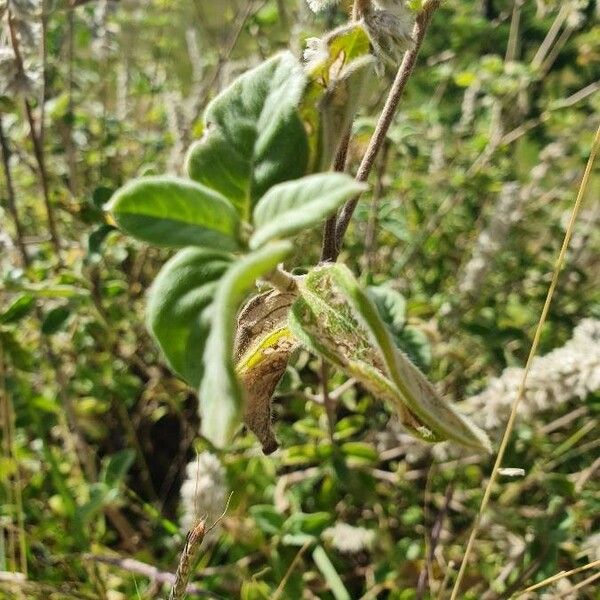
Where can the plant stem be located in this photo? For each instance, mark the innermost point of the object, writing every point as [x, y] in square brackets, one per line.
[328, 401]
[37, 142]
[339, 164]
[436, 531]
[11, 198]
[385, 120]
[282, 281]
[371, 232]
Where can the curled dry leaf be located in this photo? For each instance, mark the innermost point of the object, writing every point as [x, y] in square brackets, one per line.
[262, 348]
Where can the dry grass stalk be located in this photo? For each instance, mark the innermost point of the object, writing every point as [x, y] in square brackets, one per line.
[190, 554]
[532, 353]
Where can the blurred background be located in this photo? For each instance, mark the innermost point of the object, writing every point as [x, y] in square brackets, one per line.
[101, 457]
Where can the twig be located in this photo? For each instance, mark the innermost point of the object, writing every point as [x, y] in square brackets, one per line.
[36, 140]
[581, 585]
[385, 119]
[533, 351]
[281, 587]
[202, 95]
[444, 584]
[371, 232]
[141, 568]
[11, 198]
[282, 281]
[14, 481]
[436, 532]
[328, 401]
[558, 576]
[339, 164]
[586, 475]
[545, 46]
[513, 37]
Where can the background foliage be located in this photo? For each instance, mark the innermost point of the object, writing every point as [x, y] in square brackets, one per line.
[465, 216]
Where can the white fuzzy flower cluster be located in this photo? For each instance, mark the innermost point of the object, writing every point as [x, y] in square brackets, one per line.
[591, 547]
[349, 539]
[507, 211]
[576, 17]
[319, 5]
[569, 372]
[389, 24]
[25, 23]
[469, 106]
[562, 589]
[203, 493]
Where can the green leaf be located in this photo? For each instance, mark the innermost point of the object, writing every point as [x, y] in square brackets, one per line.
[267, 518]
[55, 319]
[115, 468]
[360, 450]
[254, 137]
[20, 308]
[415, 344]
[97, 237]
[221, 396]
[331, 576]
[309, 523]
[293, 206]
[169, 211]
[183, 289]
[391, 306]
[335, 318]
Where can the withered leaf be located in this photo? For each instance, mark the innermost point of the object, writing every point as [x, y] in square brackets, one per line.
[262, 348]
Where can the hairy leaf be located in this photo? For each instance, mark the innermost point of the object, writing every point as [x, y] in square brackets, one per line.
[169, 211]
[184, 288]
[263, 346]
[221, 395]
[293, 206]
[335, 318]
[254, 137]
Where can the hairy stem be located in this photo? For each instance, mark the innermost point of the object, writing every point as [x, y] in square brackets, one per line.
[385, 121]
[339, 164]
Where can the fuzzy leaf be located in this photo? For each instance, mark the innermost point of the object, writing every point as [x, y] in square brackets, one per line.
[254, 137]
[169, 211]
[335, 318]
[221, 395]
[293, 206]
[183, 289]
